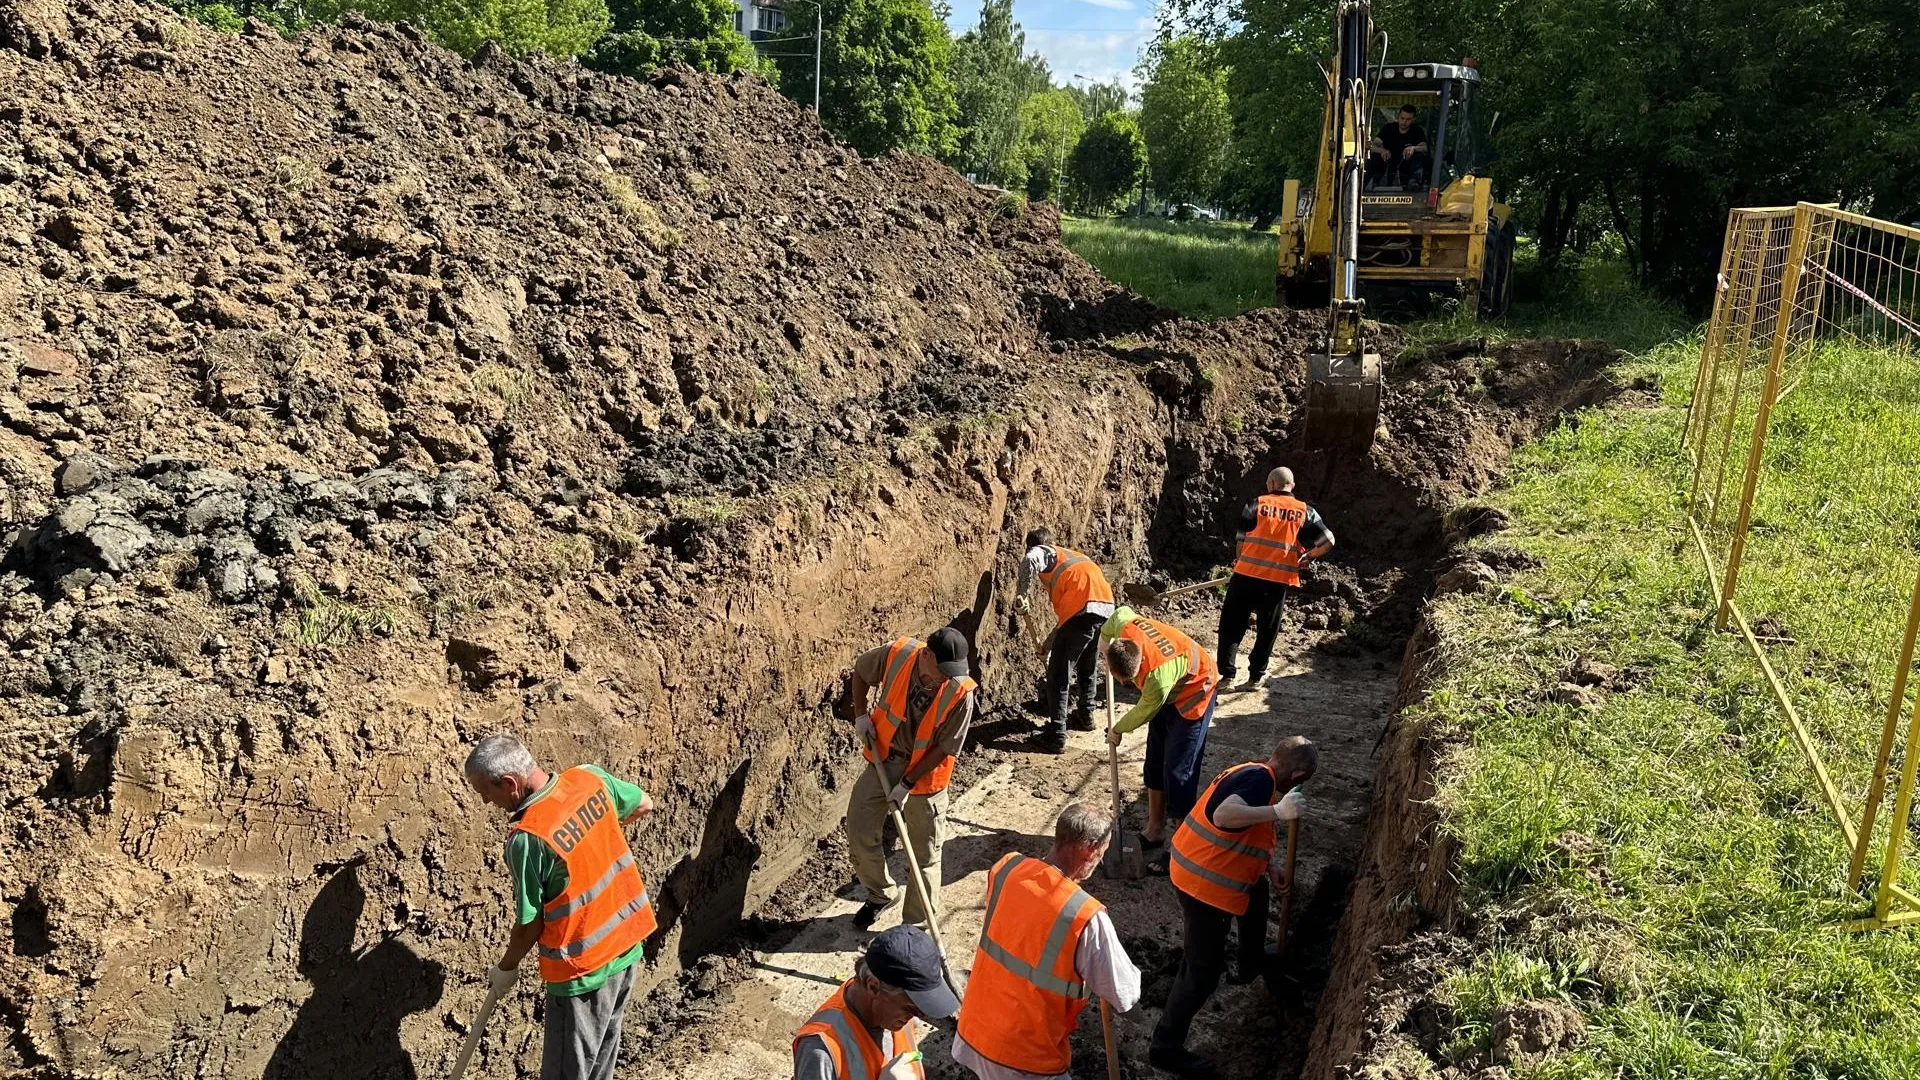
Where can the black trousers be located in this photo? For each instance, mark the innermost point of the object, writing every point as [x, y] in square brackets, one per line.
[1072, 665]
[1204, 959]
[1249, 599]
[1399, 171]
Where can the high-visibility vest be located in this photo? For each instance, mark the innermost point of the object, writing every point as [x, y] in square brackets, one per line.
[1159, 644]
[1074, 582]
[604, 910]
[1269, 551]
[891, 712]
[855, 1055]
[1220, 866]
[1024, 997]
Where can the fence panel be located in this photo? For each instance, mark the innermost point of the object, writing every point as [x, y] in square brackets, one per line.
[1805, 500]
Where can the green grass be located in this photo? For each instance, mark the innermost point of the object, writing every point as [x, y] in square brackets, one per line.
[1202, 269]
[1594, 298]
[323, 619]
[1695, 932]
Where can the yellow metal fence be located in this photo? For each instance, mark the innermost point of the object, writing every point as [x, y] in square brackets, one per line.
[1804, 431]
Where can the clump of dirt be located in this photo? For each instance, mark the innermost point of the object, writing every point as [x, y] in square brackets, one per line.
[357, 400]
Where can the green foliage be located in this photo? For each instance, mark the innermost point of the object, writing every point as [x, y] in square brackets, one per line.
[649, 34]
[1201, 269]
[1184, 117]
[1108, 162]
[883, 81]
[1659, 859]
[1273, 78]
[1048, 128]
[230, 18]
[992, 74]
[554, 27]
[1098, 99]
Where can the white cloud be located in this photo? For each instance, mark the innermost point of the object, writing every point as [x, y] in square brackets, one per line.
[1101, 57]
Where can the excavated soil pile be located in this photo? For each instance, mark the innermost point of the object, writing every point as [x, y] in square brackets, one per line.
[357, 400]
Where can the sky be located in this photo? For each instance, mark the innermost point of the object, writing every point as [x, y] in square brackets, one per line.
[1099, 39]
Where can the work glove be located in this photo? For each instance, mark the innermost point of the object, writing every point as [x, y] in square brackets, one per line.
[500, 980]
[902, 1067]
[1113, 737]
[1293, 806]
[863, 729]
[898, 796]
[1026, 604]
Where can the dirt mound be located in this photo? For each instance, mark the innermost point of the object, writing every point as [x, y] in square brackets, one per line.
[356, 400]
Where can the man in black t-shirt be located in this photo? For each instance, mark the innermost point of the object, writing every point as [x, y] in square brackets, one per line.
[1400, 154]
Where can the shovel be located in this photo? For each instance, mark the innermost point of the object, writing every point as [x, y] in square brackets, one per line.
[1113, 1049]
[1148, 596]
[1124, 857]
[1271, 970]
[479, 1028]
[918, 880]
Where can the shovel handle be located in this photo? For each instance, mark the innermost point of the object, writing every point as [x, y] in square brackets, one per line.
[1286, 902]
[1113, 1049]
[918, 878]
[1113, 753]
[473, 1037]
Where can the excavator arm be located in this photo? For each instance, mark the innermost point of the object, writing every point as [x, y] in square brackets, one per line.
[1343, 373]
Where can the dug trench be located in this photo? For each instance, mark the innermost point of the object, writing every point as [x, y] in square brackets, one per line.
[442, 397]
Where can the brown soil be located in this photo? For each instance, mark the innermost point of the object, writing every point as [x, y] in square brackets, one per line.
[356, 400]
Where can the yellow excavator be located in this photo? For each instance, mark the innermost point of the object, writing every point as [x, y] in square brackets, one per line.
[1382, 224]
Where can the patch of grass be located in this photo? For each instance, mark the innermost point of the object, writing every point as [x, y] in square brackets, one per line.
[510, 385]
[324, 619]
[1202, 269]
[294, 175]
[1010, 205]
[1596, 298]
[698, 183]
[642, 215]
[1695, 929]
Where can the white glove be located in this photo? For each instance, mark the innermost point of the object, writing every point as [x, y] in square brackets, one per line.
[1290, 808]
[898, 796]
[501, 980]
[902, 1067]
[863, 728]
[1026, 604]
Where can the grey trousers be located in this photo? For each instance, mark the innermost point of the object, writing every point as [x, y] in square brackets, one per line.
[583, 1032]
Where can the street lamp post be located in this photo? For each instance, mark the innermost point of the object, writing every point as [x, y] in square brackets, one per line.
[817, 26]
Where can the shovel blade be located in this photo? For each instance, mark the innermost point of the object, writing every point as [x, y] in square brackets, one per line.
[1125, 860]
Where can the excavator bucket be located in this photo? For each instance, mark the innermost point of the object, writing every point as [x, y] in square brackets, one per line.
[1343, 401]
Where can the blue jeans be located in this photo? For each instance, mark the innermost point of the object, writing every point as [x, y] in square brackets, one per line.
[1175, 746]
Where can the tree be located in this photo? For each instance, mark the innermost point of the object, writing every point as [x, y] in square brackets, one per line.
[648, 34]
[883, 78]
[1108, 162]
[992, 75]
[1098, 99]
[554, 27]
[1184, 118]
[1049, 125]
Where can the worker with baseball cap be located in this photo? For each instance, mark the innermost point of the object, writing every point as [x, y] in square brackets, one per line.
[577, 898]
[865, 1030]
[1047, 948]
[913, 700]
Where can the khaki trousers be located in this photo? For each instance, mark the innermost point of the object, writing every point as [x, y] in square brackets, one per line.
[925, 817]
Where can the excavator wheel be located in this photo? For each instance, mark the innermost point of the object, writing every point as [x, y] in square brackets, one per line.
[1343, 401]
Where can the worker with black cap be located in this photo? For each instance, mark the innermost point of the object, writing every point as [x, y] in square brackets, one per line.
[912, 700]
[865, 1031]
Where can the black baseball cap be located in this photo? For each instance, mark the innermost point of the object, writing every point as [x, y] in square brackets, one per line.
[905, 958]
[949, 651]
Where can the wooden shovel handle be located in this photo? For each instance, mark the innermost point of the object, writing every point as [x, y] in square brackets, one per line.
[1286, 902]
[1113, 1049]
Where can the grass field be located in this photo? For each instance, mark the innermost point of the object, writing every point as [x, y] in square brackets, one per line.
[1202, 269]
[1692, 924]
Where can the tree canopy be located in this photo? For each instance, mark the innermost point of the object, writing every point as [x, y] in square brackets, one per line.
[1184, 118]
[647, 34]
[884, 80]
[1097, 99]
[1108, 162]
[993, 74]
[1048, 126]
[555, 27]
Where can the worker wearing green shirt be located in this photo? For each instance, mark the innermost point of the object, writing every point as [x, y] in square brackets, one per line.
[1178, 682]
[567, 825]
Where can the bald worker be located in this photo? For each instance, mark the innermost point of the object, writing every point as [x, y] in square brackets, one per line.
[1278, 536]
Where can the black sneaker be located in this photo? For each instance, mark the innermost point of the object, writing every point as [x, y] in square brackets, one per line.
[1050, 741]
[1181, 1062]
[1081, 721]
[869, 911]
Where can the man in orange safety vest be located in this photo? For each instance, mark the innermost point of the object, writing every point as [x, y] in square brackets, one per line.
[577, 898]
[1222, 869]
[866, 1030]
[1278, 536]
[1047, 948]
[1081, 600]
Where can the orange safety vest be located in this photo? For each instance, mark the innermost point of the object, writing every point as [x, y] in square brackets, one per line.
[1219, 866]
[1074, 582]
[1269, 552]
[1160, 643]
[891, 712]
[604, 910]
[855, 1055]
[1024, 997]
